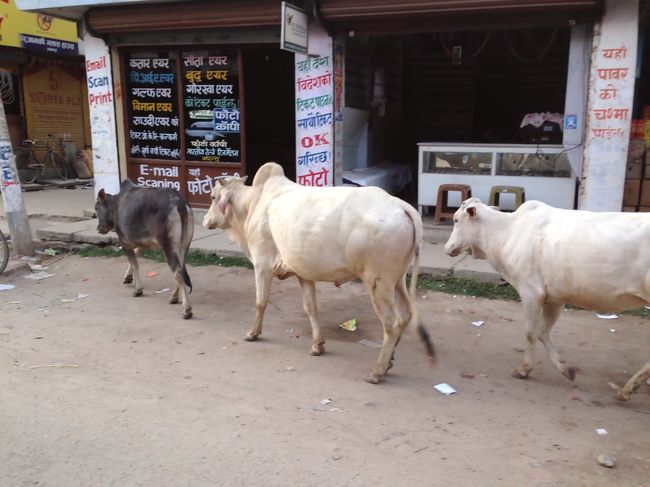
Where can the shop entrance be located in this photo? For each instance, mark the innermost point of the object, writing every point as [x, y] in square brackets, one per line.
[269, 87]
[479, 108]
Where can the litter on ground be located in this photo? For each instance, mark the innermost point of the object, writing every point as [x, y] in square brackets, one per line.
[38, 276]
[27, 258]
[601, 431]
[152, 274]
[350, 325]
[6, 287]
[163, 290]
[605, 460]
[369, 343]
[445, 389]
[478, 323]
[606, 316]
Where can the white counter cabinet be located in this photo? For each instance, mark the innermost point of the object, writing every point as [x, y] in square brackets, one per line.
[543, 171]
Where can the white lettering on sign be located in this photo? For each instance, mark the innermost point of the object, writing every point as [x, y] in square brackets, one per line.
[158, 183]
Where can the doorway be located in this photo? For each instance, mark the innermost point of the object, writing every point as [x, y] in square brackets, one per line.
[269, 108]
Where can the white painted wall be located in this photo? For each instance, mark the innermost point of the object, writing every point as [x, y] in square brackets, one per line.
[575, 104]
[609, 108]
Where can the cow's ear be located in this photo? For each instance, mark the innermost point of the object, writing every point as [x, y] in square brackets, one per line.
[101, 196]
[471, 211]
[223, 203]
[243, 180]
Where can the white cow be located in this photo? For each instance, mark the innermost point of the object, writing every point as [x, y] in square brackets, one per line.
[554, 257]
[325, 234]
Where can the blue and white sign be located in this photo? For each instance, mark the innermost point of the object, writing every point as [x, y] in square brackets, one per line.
[571, 122]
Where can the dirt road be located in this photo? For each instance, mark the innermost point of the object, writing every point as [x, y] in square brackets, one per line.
[114, 390]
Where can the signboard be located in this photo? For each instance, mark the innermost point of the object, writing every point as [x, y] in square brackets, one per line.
[315, 115]
[36, 32]
[101, 105]
[211, 99]
[184, 119]
[152, 106]
[295, 29]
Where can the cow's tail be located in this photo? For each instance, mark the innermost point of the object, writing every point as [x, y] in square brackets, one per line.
[187, 232]
[415, 271]
[178, 265]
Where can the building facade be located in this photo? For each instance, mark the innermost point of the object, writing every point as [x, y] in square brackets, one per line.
[504, 92]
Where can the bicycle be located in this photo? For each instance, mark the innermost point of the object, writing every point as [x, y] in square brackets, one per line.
[30, 168]
[4, 252]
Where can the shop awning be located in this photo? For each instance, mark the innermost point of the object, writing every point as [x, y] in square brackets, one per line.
[342, 15]
[194, 15]
[412, 16]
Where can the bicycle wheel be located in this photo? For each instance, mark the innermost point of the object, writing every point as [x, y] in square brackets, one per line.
[58, 165]
[26, 174]
[4, 253]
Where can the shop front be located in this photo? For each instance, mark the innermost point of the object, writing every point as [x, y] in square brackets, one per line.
[431, 92]
[193, 107]
[43, 82]
[478, 100]
[186, 123]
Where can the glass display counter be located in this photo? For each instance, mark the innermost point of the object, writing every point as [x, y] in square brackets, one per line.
[543, 171]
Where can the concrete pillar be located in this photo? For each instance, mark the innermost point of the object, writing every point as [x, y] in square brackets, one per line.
[609, 108]
[101, 102]
[21, 233]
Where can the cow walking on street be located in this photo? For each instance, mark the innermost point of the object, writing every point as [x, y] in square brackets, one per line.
[151, 218]
[554, 257]
[325, 234]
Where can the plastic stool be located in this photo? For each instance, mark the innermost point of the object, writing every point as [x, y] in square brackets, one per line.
[518, 191]
[442, 208]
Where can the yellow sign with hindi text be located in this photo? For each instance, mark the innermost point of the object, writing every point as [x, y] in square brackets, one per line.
[36, 32]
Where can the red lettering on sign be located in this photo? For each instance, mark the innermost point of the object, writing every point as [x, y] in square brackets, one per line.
[318, 139]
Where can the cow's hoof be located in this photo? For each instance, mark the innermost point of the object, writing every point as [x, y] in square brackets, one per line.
[569, 373]
[173, 300]
[623, 395]
[127, 280]
[374, 379]
[317, 350]
[187, 314]
[518, 374]
[250, 337]
[137, 293]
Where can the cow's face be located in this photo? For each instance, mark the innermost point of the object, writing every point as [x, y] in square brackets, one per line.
[104, 211]
[465, 236]
[220, 213]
